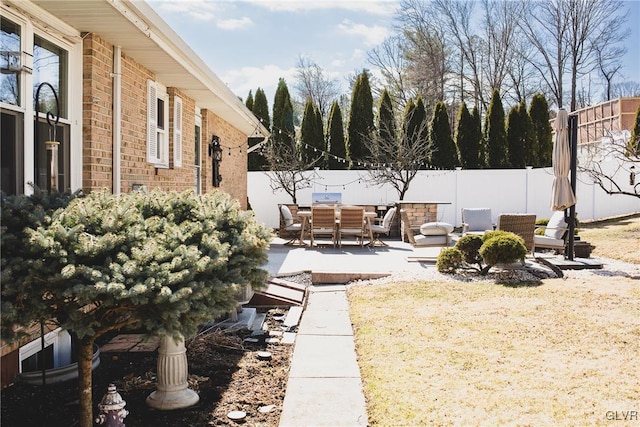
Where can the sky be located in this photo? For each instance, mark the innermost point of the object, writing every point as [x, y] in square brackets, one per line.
[251, 44]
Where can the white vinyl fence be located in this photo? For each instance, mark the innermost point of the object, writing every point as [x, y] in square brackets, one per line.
[504, 191]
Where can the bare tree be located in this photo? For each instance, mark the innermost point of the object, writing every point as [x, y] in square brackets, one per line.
[612, 166]
[389, 58]
[289, 169]
[464, 49]
[627, 88]
[500, 25]
[609, 67]
[397, 161]
[568, 34]
[428, 69]
[312, 83]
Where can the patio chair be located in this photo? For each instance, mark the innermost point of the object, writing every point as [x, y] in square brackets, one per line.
[383, 226]
[476, 221]
[323, 223]
[523, 225]
[351, 224]
[288, 227]
[555, 234]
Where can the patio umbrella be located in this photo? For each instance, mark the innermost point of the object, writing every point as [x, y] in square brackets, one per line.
[562, 196]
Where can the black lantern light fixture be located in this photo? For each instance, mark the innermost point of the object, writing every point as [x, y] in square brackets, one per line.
[215, 152]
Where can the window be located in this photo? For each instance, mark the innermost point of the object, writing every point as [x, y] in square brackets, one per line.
[12, 155]
[198, 151]
[157, 125]
[50, 80]
[50, 66]
[11, 49]
[177, 132]
[12, 117]
[33, 64]
[57, 352]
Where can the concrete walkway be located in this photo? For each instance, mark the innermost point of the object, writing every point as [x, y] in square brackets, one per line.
[324, 386]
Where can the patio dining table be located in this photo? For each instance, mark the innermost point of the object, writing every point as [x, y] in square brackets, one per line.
[305, 215]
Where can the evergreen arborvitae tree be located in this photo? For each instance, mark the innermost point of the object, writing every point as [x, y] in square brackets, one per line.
[360, 121]
[256, 159]
[467, 144]
[633, 147]
[495, 134]
[311, 135]
[531, 153]
[541, 132]
[319, 128]
[261, 108]
[163, 262]
[516, 140]
[416, 125]
[283, 130]
[335, 136]
[441, 146]
[249, 102]
[480, 160]
[386, 118]
[409, 125]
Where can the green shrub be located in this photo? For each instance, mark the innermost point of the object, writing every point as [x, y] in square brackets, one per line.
[501, 247]
[449, 260]
[469, 245]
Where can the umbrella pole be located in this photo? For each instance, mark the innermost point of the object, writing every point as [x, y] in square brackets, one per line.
[573, 143]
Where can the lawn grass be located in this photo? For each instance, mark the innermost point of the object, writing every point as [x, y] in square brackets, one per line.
[564, 352]
[616, 238]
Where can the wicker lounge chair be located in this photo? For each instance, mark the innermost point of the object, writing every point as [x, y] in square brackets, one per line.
[523, 225]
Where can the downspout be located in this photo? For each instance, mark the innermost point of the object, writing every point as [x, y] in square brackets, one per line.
[117, 116]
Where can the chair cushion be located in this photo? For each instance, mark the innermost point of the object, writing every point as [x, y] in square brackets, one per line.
[478, 219]
[439, 240]
[435, 228]
[548, 242]
[386, 222]
[286, 215]
[556, 226]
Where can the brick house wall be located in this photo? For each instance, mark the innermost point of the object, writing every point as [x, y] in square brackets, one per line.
[96, 140]
[233, 167]
[98, 130]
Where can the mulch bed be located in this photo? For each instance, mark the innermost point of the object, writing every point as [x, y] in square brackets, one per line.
[224, 369]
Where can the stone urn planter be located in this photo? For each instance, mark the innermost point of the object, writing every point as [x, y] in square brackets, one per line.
[172, 390]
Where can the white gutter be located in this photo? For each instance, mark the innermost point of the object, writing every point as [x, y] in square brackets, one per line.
[117, 117]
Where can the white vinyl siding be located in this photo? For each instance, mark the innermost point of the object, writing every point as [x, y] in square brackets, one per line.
[177, 132]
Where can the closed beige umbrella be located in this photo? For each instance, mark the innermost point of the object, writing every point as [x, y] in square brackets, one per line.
[562, 196]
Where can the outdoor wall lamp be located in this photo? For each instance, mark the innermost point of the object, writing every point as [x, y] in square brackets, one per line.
[215, 152]
[632, 175]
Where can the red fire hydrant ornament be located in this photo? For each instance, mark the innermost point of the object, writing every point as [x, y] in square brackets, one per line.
[112, 412]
